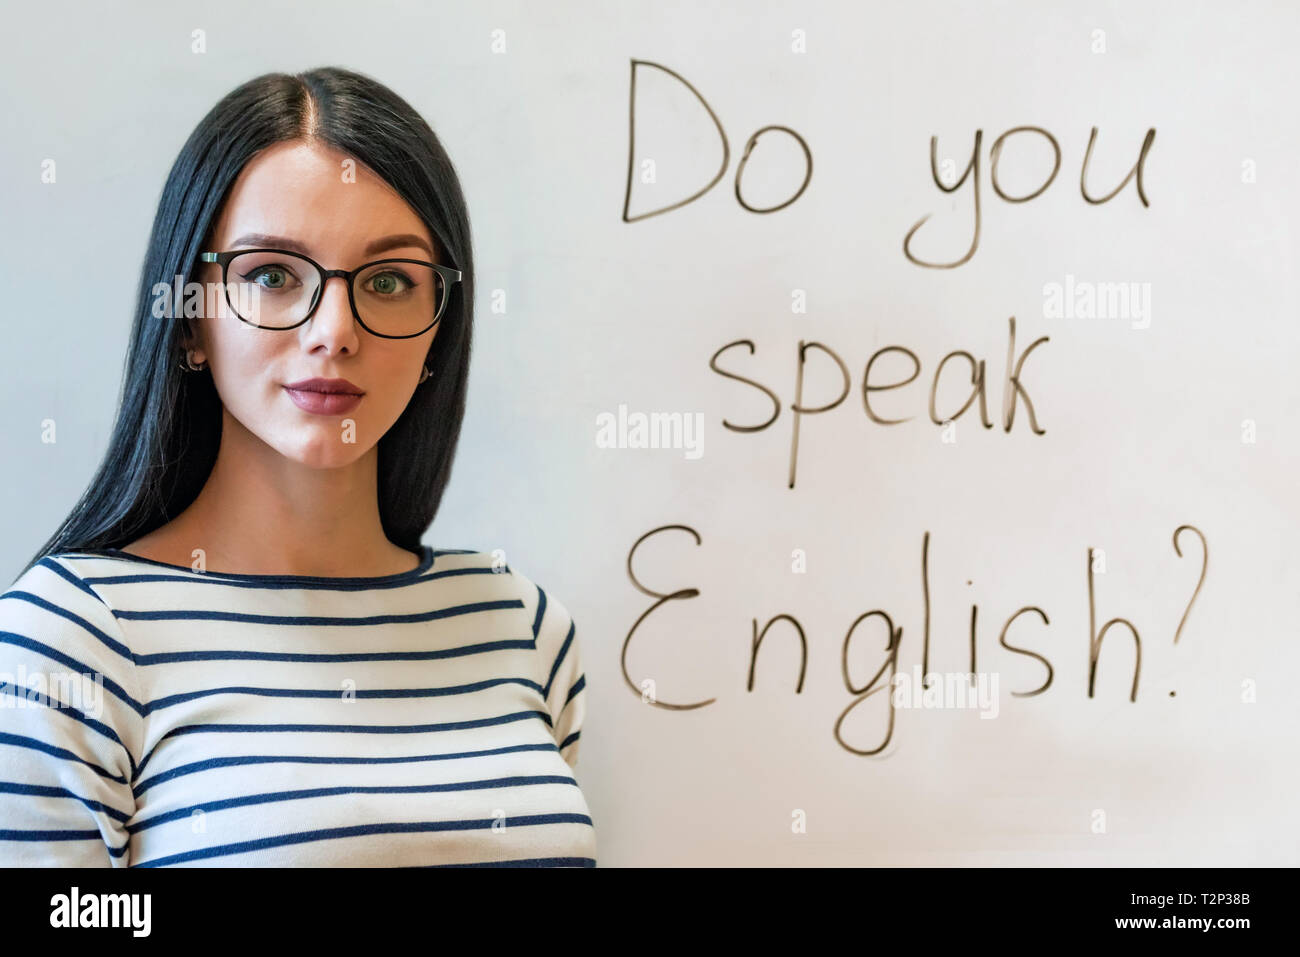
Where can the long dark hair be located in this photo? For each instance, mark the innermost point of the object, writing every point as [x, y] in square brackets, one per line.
[168, 427]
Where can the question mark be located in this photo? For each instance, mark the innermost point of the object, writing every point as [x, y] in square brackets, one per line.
[1205, 563]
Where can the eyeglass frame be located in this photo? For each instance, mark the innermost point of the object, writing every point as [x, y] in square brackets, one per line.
[449, 278]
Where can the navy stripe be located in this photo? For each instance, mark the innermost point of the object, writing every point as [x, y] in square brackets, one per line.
[337, 694]
[209, 764]
[56, 566]
[577, 687]
[341, 729]
[107, 640]
[91, 835]
[541, 612]
[358, 728]
[334, 833]
[273, 797]
[39, 790]
[22, 741]
[559, 660]
[63, 836]
[167, 657]
[60, 707]
[207, 615]
[80, 667]
[427, 558]
[215, 578]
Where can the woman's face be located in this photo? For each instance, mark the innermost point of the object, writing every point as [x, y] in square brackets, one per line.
[307, 197]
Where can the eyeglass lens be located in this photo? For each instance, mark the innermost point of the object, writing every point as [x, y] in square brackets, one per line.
[278, 290]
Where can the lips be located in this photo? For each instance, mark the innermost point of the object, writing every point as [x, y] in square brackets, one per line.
[324, 396]
[326, 386]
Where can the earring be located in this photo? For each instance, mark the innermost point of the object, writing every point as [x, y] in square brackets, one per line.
[425, 374]
[187, 362]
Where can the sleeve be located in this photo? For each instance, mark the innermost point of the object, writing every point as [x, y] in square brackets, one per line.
[70, 721]
[563, 680]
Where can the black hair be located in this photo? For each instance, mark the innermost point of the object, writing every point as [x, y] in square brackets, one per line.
[168, 427]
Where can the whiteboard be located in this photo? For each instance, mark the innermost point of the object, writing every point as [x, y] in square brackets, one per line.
[1163, 392]
[1161, 395]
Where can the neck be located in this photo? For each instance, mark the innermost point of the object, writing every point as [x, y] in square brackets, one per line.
[261, 512]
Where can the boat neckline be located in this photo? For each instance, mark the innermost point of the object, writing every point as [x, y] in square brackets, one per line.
[426, 562]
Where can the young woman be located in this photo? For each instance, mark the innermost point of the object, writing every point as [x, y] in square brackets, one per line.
[236, 650]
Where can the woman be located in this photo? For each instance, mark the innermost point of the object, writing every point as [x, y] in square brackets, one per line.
[236, 650]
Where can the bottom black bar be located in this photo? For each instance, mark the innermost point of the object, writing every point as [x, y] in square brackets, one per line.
[659, 907]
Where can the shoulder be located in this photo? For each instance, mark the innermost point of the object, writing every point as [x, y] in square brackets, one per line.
[57, 585]
[53, 615]
[493, 573]
[495, 578]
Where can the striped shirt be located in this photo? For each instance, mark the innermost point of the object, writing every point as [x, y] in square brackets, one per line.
[154, 715]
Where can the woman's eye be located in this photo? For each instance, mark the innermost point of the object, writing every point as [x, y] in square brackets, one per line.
[271, 277]
[389, 283]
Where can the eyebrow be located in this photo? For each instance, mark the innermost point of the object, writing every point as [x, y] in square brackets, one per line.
[398, 241]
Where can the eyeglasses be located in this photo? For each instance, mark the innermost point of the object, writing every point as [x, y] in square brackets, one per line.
[278, 289]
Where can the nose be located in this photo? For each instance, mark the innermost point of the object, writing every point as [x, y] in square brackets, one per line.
[332, 324]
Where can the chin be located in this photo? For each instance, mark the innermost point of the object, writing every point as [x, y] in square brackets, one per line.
[323, 447]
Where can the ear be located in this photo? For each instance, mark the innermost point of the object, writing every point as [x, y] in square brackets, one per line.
[192, 340]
